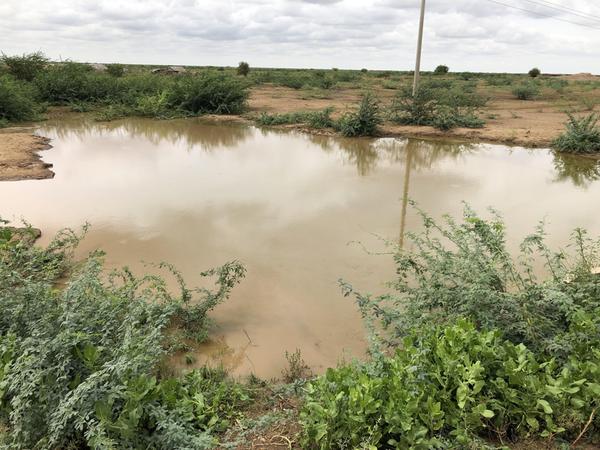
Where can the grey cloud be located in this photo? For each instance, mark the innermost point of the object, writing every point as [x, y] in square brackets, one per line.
[344, 33]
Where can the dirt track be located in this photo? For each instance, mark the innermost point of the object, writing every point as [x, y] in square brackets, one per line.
[19, 158]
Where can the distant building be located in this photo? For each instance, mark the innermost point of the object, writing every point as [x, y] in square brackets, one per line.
[98, 67]
[171, 70]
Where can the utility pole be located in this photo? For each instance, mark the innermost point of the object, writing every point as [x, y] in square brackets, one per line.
[419, 47]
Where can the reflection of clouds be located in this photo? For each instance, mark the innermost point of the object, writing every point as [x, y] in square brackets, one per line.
[582, 171]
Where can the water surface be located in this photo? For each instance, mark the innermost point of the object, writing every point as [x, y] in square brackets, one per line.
[298, 210]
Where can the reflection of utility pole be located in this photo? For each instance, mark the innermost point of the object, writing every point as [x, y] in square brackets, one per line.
[408, 162]
[419, 47]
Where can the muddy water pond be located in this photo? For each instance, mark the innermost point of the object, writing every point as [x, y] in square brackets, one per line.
[297, 210]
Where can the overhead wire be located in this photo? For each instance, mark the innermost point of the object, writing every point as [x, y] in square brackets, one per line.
[548, 16]
[564, 9]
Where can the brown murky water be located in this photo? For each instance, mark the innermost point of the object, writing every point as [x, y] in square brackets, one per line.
[292, 207]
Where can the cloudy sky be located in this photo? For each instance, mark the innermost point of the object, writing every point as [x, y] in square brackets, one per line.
[477, 35]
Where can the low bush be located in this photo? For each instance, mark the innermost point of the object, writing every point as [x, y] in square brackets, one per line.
[17, 101]
[25, 67]
[449, 387]
[209, 92]
[115, 70]
[526, 91]
[464, 269]
[72, 82]
[582, 135]
[364, 121]
[440, 104]
[80, 366]
[481, 349]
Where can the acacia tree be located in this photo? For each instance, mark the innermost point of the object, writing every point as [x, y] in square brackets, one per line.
[243, 69]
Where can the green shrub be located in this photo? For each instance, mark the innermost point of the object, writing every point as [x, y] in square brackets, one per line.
[17, 101]
[363, 122]
[440, 104]
[72, 82]
[243, 69]
[526, 91]
[582, 135]
[25, 67]
[557, 84]
[80, 365]
[534, 73]
[448, 387]
[212, 93]
[441, 70]
[115, 70]
[464, 269]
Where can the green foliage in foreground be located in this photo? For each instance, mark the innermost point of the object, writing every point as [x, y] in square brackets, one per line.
[447, 387]
[582, 135]
[481, 347]
[80, 365]
[464, 269]
[442, 105]
[17, 101]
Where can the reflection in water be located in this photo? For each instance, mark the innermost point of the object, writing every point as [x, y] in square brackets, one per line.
[366, 153]
[579, 170]
[208, 135]
[198, 194]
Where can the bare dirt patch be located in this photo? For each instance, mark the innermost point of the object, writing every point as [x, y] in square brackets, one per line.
[19, 158]
[508, 120]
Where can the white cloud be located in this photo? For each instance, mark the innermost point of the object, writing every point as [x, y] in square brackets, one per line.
[465, 34]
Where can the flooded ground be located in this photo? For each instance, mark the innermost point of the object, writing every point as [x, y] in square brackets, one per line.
[297, 210]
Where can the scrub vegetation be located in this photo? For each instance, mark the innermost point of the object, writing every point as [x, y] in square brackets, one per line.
[581, 136]
[473, 347]
[450, 103]
[470, 349]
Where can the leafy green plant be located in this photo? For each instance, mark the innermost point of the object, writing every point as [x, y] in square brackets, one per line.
[440, 104]
[364, 121]
[17, 100]
[209, 92]
[581, 135]
[448, 387]
[115, 70]
[25, 67]
[526, 91]
[464, 269]
[80, 366]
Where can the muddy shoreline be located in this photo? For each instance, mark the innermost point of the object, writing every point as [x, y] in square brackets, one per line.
[510, 122]
[20, 157]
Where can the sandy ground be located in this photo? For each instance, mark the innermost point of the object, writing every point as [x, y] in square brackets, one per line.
[19, 158]
[508, 120]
